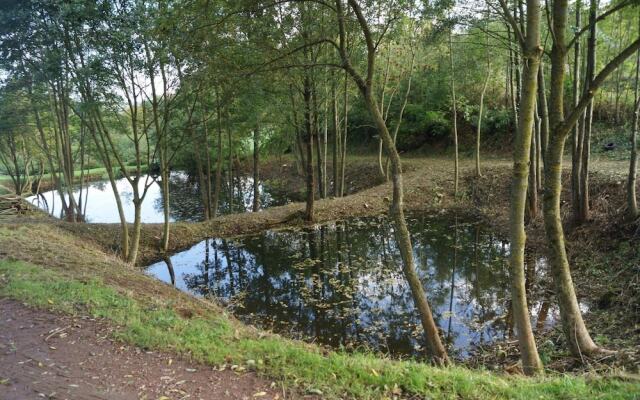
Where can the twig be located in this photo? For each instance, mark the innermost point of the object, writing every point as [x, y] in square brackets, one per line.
[57, 331]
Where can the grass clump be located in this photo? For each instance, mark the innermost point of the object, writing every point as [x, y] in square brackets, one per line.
[214, 339]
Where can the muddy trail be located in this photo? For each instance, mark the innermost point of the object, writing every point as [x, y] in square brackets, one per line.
[46, 355]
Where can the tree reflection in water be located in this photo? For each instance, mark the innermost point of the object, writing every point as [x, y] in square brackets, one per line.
[342, 284]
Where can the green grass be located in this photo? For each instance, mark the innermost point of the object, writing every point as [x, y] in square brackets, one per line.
[214, 338]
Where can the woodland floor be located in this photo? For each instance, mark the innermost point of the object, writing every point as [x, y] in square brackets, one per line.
[54, 356]
[605, 255]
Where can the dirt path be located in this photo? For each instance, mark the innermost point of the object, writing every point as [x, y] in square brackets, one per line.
[44, 355]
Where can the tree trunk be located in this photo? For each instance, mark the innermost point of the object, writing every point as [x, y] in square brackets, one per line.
[434, 344]
[343, 158]
[543, 110]
[309, 139]
[454, 110]
[256, 170]
[632, 202]
[578, 131]
[479, 128]
[403, 239]
[532, 191]
[218, 184]
[336, 141]
[585, 146]
[166, 208]
[575, 330]
[201, 175]
[521, 158]
[137, 224]
[325, 144]
[230, 172]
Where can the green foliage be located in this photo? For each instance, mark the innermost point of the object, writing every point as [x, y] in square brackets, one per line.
[498, 122]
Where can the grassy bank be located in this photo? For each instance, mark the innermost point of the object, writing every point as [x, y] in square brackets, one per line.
[91, 174]
[214, 339]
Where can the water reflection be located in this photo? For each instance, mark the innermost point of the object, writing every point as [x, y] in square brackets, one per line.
[99, 204]
[342, 284]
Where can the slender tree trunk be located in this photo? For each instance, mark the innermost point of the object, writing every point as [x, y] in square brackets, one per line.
[396, 129]
[575, 330]
[317, 143]
[581, 205]
[585, 145]
[230, 172]
[403, 239]
[510, 77]
[385, 80]
[578, 131]
[103, 151]
[325, 144]
[201, 175]
[543, 109]
[207, 151]
[632, 202]
[532, 191]
[454, 122]
[336, 141]
[479, 128]
[137, 224]
[166, 207]
[256, 168]
[218, 184]
[309, 139]
[434, 344]
[343, 158]
[538, 152]
[532, 51]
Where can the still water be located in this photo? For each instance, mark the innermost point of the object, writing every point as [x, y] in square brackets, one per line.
[342, 285]
[99, 204]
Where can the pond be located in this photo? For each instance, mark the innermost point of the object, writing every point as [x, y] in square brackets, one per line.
[342, 284]
[99, 204]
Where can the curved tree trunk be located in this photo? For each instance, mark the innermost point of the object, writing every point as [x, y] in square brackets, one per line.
[434, 344]
[575, 330]
[520, 181]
